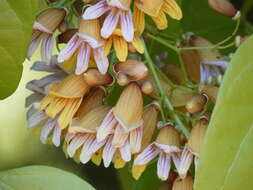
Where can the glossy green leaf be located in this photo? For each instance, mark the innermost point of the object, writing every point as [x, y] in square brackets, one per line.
[41, 178]
[16, 19]
[226, 159]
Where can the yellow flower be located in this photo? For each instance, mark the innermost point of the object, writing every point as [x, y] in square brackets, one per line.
[64, 98]
[157, 10]
[121, 45]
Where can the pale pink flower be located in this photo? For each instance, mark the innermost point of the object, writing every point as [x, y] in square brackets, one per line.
[119, 12]
[124, 121]
[45, 25]
[86, 43]
[166, 147]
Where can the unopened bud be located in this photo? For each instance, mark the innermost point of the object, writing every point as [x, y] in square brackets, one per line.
[224, 7]
[147, 87]
[197, 135]
[66, 36]
[94, 78]
[183, 184]
[196, 103]
[122, 79]
[210, 91]
[134, 69]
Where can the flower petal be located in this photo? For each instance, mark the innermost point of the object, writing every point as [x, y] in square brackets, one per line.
[149, 153]
[35, 119]
[57, 135]
[46, 130]
[83, 59]
[46, 48]
[110, 23]
[127, 26]
[106, 126]
[101, 60]
[108, 153]
[119, 137]
[70, 49]
[163, 166]
[95, 11]
[125, 152]
[76, 143]
[185, 163]
[34, 45]
[135, 139]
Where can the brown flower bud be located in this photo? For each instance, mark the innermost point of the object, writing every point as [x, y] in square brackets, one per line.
[168, 135]
[197, 135]
[134, 69]
[66, 36]
[183, 184]
[51, 18]
[122, 79]
[224, 7]
[210, 91]
[147, 87]
[196, 103]
[94, 78]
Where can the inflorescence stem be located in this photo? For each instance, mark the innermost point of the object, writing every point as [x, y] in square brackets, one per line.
[164, 99]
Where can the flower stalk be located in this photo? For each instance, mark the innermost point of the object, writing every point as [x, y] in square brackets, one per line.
[164, 99]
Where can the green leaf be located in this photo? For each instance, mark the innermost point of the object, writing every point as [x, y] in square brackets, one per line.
[16, 19]
[201, 20]
[41, 178]
[226, 159]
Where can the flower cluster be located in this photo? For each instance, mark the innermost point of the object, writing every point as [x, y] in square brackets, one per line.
[154, 113]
